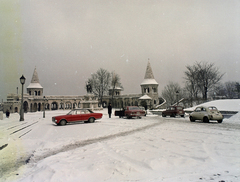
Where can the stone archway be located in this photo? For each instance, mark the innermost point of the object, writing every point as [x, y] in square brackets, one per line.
[54, 106]
[68, 105]
[144, 104]
[104, 104]
[61, 105]
[39, 107]
[25, 106]
[47, 106]
[74, 105]
[34, 107]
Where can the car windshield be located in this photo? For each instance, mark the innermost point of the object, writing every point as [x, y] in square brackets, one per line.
[199, 109]
[71, 112]
[170, 108]
[133, 108]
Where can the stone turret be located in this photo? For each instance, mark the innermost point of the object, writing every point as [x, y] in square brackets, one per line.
[34, 87]
[149, 85]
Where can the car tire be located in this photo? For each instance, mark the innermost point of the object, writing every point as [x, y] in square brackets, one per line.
[182, 116]
[91, 120]
[205, 120]
[220, 121]
[62, 122]
[163, 115]
[191, 119]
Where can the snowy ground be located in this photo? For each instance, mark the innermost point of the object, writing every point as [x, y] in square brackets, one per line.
[115, 149]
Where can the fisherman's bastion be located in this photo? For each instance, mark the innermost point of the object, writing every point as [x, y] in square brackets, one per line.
[35, 100]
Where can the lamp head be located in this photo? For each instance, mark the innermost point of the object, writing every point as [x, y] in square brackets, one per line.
[22, 80]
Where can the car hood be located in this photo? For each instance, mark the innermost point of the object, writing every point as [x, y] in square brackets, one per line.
[60, 116]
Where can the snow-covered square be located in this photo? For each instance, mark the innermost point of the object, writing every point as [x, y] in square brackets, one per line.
[116, 149]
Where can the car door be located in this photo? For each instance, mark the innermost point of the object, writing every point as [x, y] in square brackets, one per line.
[85, 115]
[71, 116]
[198, 113]
[78, 115]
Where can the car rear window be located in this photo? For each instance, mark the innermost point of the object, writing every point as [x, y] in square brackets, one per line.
[212, 108]
[179, 108]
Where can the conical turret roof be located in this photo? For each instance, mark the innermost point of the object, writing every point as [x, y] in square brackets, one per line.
[35, 80]
[149, 77]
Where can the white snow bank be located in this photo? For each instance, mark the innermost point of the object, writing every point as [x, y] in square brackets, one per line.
[222, 105]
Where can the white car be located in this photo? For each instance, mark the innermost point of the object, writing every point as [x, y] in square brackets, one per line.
[206, 114]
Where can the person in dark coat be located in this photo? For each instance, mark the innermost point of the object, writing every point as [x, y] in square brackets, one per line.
[7, 113]
[109, 110]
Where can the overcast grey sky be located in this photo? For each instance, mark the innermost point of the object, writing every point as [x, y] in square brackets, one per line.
[69, 40]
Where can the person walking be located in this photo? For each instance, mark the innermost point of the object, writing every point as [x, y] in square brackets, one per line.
[109, 110]
[7, 113]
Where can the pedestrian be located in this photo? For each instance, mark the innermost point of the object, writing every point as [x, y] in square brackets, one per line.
[109, 110]
[7, 113]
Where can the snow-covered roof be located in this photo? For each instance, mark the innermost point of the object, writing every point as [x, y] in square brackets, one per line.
[34, 85]
[116, 88]
[145, 97]
[149, 82]
[149, 78]
[35, 80]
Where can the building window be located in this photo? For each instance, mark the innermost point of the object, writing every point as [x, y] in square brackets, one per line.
[147, 90]
[154, 89]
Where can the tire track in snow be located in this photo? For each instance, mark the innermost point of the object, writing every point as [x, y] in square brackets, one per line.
[75, 145]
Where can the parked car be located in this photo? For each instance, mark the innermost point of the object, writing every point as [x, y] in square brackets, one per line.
[77, 115]
[173, 111]
[206, 114]
[143, 109]
[130, 111]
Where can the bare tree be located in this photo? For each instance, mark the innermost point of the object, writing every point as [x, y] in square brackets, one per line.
[115, 83]
[100, 82]
[237, 85]
[172, 93]
[191, 86]
[203, 76]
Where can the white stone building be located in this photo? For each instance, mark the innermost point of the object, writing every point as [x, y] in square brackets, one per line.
[34, 100]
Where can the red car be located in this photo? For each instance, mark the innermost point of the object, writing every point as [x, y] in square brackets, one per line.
[130, 111]
[77, 115]
[173, 111]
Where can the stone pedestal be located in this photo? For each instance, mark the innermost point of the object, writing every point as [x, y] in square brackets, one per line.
[90, 101]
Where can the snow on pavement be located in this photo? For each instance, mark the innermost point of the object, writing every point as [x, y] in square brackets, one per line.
[115, 149]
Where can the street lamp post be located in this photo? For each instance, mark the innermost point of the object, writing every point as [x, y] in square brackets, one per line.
[177, 93]
[22, 81]
[44, 107]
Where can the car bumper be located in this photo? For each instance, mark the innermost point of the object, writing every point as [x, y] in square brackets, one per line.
[54, 120]
[137, 114]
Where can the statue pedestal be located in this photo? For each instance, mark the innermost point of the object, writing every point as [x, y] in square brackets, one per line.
[90, 102]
